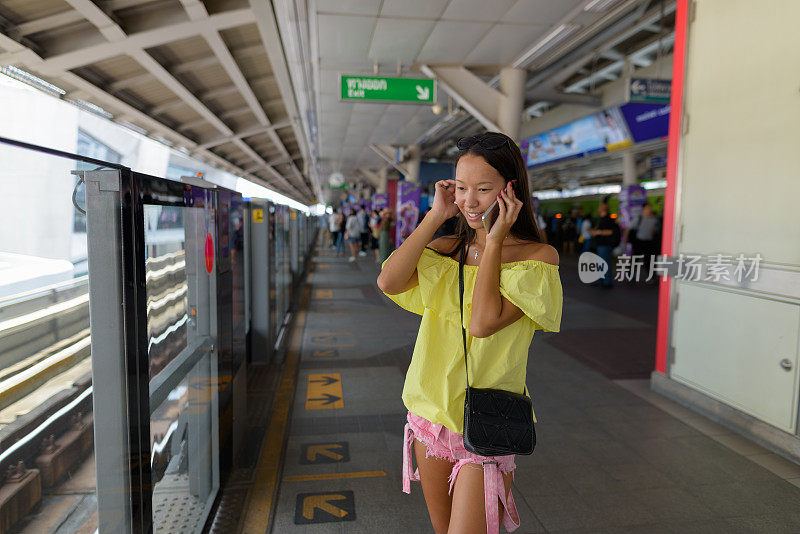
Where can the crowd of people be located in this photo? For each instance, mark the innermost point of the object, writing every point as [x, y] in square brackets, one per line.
[362, 231]
[580, 232]
[355, 232]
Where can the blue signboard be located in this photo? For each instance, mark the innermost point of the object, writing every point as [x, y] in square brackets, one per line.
[646, 121]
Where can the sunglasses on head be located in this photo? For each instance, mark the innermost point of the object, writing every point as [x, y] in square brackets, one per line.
[487, 142]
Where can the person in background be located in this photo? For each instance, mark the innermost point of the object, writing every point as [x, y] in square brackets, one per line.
[353, 234]
[385, 247]
[585, 234]
[339, 233]
[363, 220]
[375, 230]
[644, 241]
[570, 229]
[606, 237]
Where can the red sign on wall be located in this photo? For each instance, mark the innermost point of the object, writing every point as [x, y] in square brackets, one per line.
[209, 253]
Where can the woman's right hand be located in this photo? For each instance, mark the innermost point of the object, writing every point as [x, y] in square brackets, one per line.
[444, 199]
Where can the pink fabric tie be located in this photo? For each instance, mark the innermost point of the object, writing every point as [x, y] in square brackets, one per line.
[408, 474]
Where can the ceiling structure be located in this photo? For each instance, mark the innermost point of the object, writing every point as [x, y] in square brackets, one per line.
[206, 77]
[569, 47]
[251, 86]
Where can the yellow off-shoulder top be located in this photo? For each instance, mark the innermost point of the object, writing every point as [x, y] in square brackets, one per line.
[435, 383]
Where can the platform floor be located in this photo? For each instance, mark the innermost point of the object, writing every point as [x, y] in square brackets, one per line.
[612, 456]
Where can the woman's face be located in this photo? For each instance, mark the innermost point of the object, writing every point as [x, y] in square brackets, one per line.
[477, 187]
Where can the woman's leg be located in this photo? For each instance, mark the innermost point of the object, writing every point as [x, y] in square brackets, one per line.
[468, 512]
[434, 475]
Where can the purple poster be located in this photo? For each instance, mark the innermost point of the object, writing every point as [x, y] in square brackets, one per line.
[380, 201]
[408, 197]
[631, 201]
[646, 121]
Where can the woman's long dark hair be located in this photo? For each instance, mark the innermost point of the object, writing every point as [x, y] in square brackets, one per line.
[507, 161]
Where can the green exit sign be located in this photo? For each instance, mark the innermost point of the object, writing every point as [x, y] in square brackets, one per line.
[382, 89]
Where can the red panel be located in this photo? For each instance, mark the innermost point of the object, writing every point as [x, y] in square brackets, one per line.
[673, 147]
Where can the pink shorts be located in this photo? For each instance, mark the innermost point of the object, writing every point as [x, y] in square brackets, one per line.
[448, 445]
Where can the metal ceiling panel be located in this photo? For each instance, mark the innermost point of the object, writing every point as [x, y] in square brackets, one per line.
[344, 37]
[504, 43]
[477, 10]
[241, 36]
[350, 7]
[539, 11]
[418, 9]
[451, 42]
[19, 11]
[399, 39]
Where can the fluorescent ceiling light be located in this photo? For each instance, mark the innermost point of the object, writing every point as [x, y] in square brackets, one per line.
[600, 5]
[551, 39]
[33, 81]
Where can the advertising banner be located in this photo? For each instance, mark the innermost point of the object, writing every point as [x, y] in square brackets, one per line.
[631, 201]
[380, 201]
[599, 132]
[408, 199]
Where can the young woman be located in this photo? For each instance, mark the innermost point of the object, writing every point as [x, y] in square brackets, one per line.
[512, 288]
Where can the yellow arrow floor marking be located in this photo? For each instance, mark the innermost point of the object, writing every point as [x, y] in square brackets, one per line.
[323, 294]
[324, 391]
[321, 502]
[324, 450]
[334, 476]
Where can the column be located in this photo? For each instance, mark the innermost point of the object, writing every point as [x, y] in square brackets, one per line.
[412, 163]
[512, 85]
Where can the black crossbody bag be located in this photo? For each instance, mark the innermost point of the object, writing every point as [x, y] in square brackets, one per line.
[496, 422]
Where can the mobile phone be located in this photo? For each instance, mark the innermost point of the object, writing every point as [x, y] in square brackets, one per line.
[490, 216]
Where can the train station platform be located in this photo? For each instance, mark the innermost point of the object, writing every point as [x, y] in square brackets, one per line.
[612, 456]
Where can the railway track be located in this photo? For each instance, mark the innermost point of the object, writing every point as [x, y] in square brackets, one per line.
[46, 424]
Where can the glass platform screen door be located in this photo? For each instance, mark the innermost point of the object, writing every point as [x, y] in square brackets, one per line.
[152, 248]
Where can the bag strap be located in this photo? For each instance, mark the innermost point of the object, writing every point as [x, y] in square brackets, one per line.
[461, 262]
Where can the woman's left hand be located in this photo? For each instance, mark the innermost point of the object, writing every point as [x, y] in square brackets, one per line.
[510, 207]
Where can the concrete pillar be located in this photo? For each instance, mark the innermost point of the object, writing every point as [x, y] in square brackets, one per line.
[412, 163]
[512, 85]
[384, 179]
[629, 169]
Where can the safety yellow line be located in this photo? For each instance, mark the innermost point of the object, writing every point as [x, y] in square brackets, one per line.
[261, 502]
[334, 476]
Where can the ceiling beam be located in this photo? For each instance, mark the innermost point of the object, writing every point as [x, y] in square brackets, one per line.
[101, 20]
[165, 77]
[480, 99]
[49, 22]
[268, 30]
[136, 41]
[107, 100]
[244, 133]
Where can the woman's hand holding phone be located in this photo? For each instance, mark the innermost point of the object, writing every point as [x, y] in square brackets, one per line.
[508, 210]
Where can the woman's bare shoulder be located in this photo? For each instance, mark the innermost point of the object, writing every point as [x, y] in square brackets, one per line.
[540, 252]
[444, 244]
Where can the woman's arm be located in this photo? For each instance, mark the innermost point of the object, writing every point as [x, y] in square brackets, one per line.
[399, 273]
[491, 312]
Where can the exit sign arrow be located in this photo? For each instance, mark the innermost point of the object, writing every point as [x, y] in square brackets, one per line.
[423, 93]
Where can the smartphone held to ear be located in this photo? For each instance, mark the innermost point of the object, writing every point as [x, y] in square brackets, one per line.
[490, 216]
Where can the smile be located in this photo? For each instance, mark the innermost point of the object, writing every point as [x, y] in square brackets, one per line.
[473, 215]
